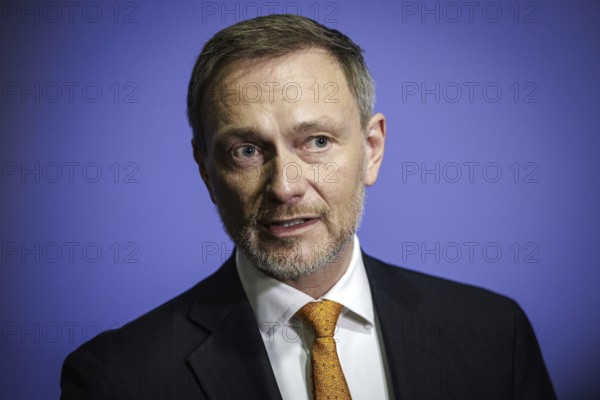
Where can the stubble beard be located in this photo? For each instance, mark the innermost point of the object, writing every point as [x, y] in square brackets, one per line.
[289, 258]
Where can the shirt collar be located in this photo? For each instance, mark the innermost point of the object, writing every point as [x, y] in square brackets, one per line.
[275, 302]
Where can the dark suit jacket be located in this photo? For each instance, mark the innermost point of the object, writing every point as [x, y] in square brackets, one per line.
[443, 340]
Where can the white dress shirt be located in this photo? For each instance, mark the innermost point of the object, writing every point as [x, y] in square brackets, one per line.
[358, 336]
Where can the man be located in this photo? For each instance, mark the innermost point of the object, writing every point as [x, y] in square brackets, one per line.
[286, 142]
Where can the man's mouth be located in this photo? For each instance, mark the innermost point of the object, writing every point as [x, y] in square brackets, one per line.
[290, 222]
[290, 226]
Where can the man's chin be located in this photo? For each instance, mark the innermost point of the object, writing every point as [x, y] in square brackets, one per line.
[284, 258]
[293, 258]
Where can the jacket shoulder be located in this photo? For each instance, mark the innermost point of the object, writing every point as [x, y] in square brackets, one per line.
[168, 322]
[436, 293]
[112, 364]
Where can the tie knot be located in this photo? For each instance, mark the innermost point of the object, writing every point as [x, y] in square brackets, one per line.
[322, 316]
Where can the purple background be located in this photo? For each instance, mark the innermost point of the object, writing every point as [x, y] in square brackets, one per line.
[158, 231]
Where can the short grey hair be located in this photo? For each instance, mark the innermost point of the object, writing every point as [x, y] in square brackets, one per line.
[273, 36]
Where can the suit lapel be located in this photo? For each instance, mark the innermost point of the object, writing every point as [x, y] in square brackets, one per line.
[410, 351]
[231, 362]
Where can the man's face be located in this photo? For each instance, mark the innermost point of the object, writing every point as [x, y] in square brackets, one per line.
[286, 160]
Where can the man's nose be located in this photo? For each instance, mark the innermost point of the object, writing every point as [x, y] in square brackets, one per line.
[286, 182]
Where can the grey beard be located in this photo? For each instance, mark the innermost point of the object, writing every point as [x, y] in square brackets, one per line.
[287, 262]
[283, 259]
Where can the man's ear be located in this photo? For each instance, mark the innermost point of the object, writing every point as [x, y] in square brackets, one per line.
[375, 142]
[200, 158]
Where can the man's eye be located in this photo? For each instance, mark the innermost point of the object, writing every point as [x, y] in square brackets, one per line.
[245, 151]
[320, 141]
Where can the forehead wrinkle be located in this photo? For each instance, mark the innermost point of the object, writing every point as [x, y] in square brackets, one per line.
[266, 118]
[281, 66]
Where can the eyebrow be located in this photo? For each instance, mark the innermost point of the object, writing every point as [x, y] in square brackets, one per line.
[239, 132]
[323, 124]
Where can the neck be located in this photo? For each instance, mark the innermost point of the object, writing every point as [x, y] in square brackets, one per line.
[318, 283]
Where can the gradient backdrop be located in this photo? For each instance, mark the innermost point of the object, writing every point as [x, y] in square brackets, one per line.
[490, 175]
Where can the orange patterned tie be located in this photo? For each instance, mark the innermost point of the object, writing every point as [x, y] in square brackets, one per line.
[327, 375]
